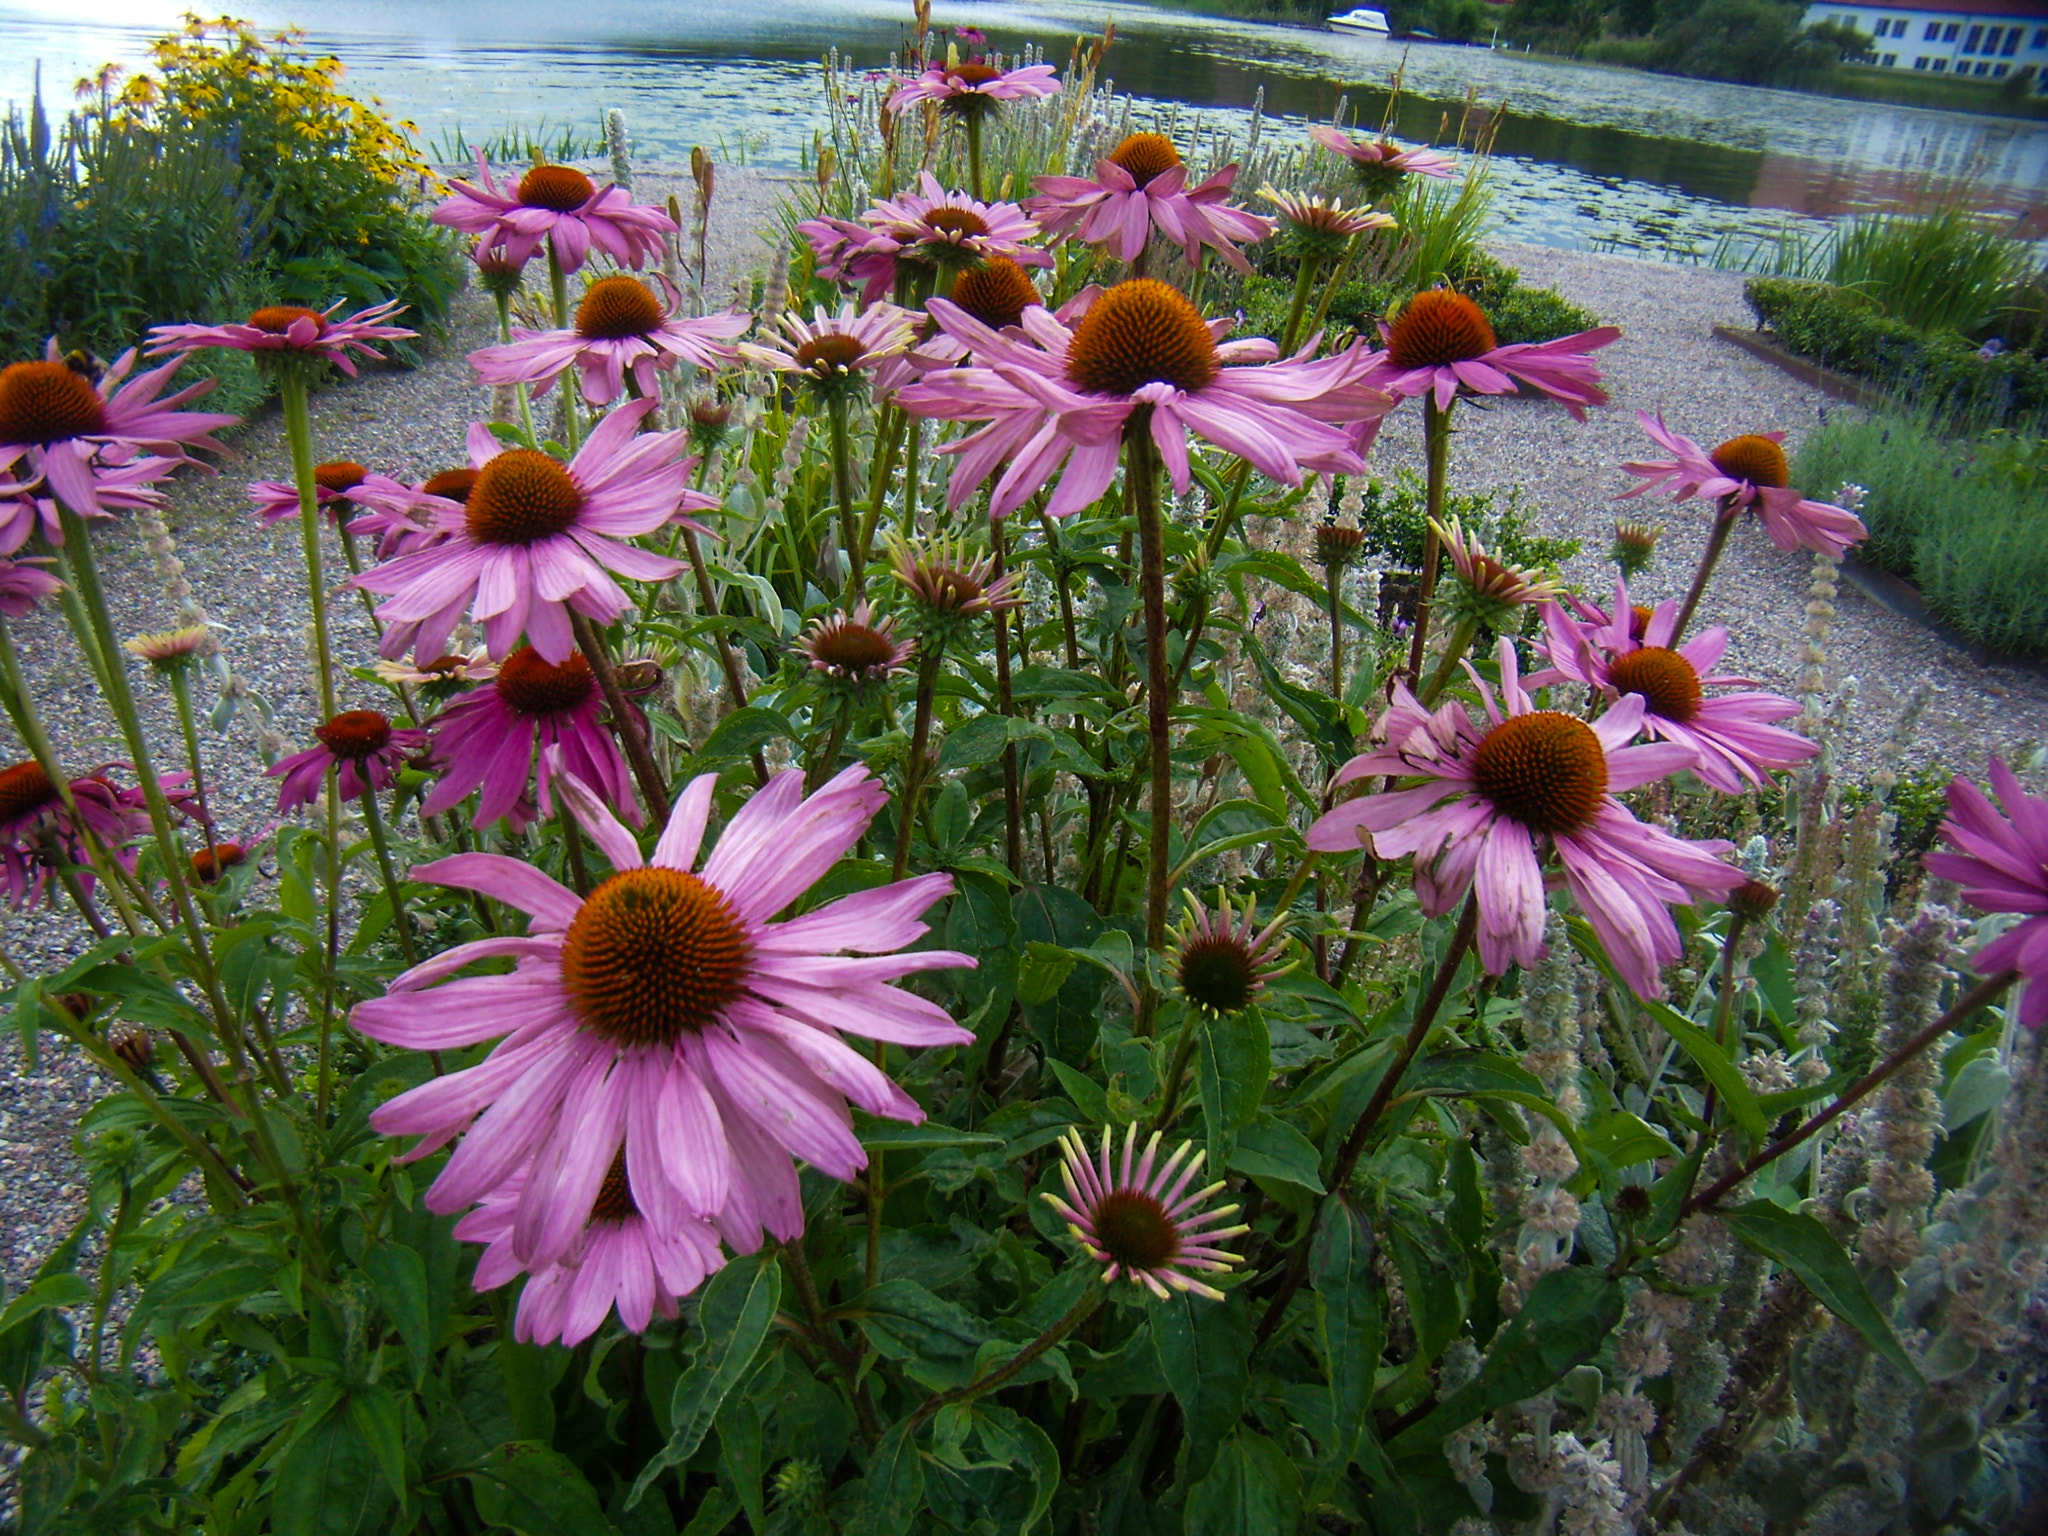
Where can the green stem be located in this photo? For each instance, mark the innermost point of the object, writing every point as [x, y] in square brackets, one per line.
[1141, 469]
[973, 121]
[1304, 280]
[572, 848]
[1447, 665]
[104, 1300]
[639, 752]
[920, 740]
[520, 390]
[298, 429]
[850, 527]
[323, 1085]
[1017, 1364]
[1333, 579]
[1436, 433]
[1013, 798]
[188, 725]
[558, 286]
[373, 813]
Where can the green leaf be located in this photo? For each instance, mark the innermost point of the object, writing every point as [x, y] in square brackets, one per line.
[537, 1492]
[1715, 1065]
[1625, 1139]
[1435, 1303]
[1016, 1441]
[1088, 1095]
[938, 1338]
[1043, 971]
[1350, 1334]
[1204, 1349]
[1235, 1061]
[1251, 1489]
[1567, 1317]
[742, 731]
[376, 1416]
[1458, 1072]
[399, 1277]
[1810, 1251]
[738, 1307]
[896, 1136]
[893, 1491]
[982, 739]
[327, 1482]
[1269, 1148]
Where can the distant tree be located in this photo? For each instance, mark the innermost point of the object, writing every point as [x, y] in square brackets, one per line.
[1636, 18]
[1838, 43]
[1750, 41]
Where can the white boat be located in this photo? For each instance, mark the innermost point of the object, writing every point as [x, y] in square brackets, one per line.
[1366, 22]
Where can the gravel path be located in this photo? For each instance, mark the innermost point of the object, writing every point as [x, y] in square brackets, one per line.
[411, 423]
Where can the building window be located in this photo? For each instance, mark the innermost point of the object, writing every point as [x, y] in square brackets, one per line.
[1932, 33]
[2012, 41]
[1998, 70]
[2040, 38]
[1948, 33]
[1991, 39]
[1982, 69]
[1970, 42]
[1919, 63]
[1940, 66]
[1892, 58]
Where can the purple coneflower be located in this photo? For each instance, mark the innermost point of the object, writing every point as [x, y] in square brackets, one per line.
[856, 649]
[172, 648]
[24, 584]
[2001, 862]
[537, 540]
[1753, 470]
[1223, 959]
[951, 230]
[428, 517]
[557, 205]
[36, 826]
[835, 350]
[1379, 163]
[1322, 226]
[359, 744]
[486, 740]
[845, 252]
[289, 330]
[1488, 588]
[1056, 397]
[621, 329]
[1496, 797]
[83, 438]
[1731, 734]
[668, 1014]
[972, 88]
[622, 1260]
[118, 488]
[1442, 344]
[1141, 1223]
[340, 486]
[1140, 185]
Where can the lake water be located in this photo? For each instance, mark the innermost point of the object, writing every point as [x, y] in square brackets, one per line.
[1590, 157]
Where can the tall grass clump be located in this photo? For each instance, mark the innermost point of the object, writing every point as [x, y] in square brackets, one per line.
[1966, 516]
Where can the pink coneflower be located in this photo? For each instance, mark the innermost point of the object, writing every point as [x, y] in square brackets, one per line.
[844, 252]
[833, 350]
[24, 584]
[970, 89]
[1442, 344]
[1488, 588]
[83, 438]
[118, 488]
[428, 517]
[1140, 1222]
[537, 540]
[486, 741]
[36, 827]
[557, 205]
[1380, 164]
[951, 230]
[621, 329]
[855, 648]
[1753, 471]
[973, 36]
[1322, 226]
[1497, 796]
[997, 293]
[1053, 396]
[1223, 959]
[666, 1013]
[1730, 732]
[290, 330]
[340, 486]
[452, 673]
[623, 1260]
[1141, 185]
[360, 745]
[2001, 862]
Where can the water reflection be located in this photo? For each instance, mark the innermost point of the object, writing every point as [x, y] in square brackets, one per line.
[1596, 156]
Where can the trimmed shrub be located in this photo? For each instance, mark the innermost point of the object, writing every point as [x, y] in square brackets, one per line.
[1946, 371]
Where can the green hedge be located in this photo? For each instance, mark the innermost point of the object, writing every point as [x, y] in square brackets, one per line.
[1964, 516]
[1943, 371]
[1518, 312]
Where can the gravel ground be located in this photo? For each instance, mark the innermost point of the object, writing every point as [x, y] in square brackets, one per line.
[411, 423]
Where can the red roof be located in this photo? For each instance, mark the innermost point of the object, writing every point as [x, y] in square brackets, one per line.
[2019, 10]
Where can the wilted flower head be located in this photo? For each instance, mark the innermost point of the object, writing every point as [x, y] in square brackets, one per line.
[1488, 588]
[24, 584]
[834, 351]
[1322, 226]
[359, 744]
[499, 273]
[1222, 959]
[173, 648]
[278, 332]
[949, 585]
[1139, 1221]
[1338, 544]
[855, 648]
[453, 671]
[1634, 547]
[708, 420]
[974, 88]
[1379, 163]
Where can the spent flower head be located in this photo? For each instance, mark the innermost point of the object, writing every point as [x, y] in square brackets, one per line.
[1634, 547]
[1222, 959]
[1136, 1217]
[1320, 227]
[949, 585]
[1488, 589]
[171, 649]
[857, 649]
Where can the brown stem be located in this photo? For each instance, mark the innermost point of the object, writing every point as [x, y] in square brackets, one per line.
[799, 1271]
[707, 604]
[639, 754]
[1141, 466]
[1013, 798]
[1724, 524]
[1986, 991]
[920, 739]
[1382, 1095]
[1015, 1366]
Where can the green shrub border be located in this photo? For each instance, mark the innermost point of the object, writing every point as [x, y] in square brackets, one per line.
[1943, 371]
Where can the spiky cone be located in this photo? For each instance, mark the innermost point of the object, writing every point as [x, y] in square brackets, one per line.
[1136, 1217]
[949, 586]
[1222, 959]
[1487, 589]
[1634, 546]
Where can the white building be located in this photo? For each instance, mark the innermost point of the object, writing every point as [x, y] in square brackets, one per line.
[1985, 39]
